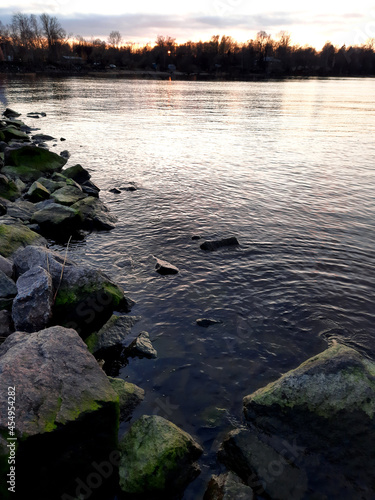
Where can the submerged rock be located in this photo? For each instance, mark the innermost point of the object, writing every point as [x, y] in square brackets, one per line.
[32, 307]
[130, 396]
[15, 236]
[206, 322]
[66, 412]
[113, 333]
[157, 457]
[212, 245]
[165, 268]
[228, 487]
[142, 347]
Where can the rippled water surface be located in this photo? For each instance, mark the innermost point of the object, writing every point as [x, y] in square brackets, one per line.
[287, 167]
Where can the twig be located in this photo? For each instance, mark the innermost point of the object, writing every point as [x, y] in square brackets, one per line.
[62, 270]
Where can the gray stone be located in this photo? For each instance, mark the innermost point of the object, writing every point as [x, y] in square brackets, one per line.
[10, 113]
[115, 191]
[129, 187]
[78, 173]
[142, 347]
[6, 324]
[32, 307]
[51, 185]
[206, 322]
[7, 286]
[6, 266]
[65, 154]
[37, 192]
[165, 268]
[58, 219]
[228, 487]
[42, 137]
[68, 195]
[156, 457]
[212, 245]
[95, 214]
[21, 209]
[130, 396]
[113, 333]
[13, 236]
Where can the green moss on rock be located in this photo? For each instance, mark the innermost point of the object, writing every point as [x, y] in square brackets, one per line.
[35, 158]
[15, 236]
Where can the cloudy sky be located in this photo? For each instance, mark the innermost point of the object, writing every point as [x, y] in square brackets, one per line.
[141, 21]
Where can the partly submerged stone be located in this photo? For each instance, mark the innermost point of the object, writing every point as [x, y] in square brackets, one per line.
[38, 192]
[78, 173]
[68, 195]
[156, 457]
[32, 307]
[206, 322]
[35, 158]
[57, 219]
[212, 245]
[10, 113]
[142, 347]
[15, 236]
[163, 267]
[95, 214]
[130, 396]
[66, 411]
[228, 487]
[113, 333]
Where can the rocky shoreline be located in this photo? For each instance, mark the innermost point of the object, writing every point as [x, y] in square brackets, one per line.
[309, 434]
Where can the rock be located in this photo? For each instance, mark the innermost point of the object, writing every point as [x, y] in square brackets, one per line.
[142, 347]
[62, 139]
[72, 182]
[129, 187]
[36, 114]
[114, 190]
[8, 188]
[78, 173]
[163, 267]
[65, 154]
[66, 411]
[156, 457]
[34, 158]
[8, 287]
[6, 266]
[21, 209]
[15, 236]
[130, 396]
[86, 299]
[42, 137]
[37, 192]
[57, 219]
[206, 322]
[90, 188]
[10, 113]
[68, 195]
[12, 133]
[228, 487]
[50, 184]
[212, 245]
[196, 238]
[113, 333]
[32, 307]
[95, 214]
[3, 209]
[6, 324]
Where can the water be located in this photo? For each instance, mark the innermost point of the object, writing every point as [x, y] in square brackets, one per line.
[287, 167]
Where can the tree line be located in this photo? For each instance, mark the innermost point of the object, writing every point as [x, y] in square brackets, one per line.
[40, 43]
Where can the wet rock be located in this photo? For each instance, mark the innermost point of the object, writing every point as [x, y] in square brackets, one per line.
[10, 113]
[42, 137]
[62, 139]
[95, 214]
[65, 154]
[90, 188]
[66, 411]
[3, 209]
[156, 457]
[196, 238]
[213, 245]
[15, 236]
[165, 268]
[6, 324]
[57, 219]
[206, 322]
[36, 114]
[115, 191]
[78, 173]
[228, 487]
[50, 184]
[68, 195]
[8, 188]
[37, 192]
[6, 266]
[32, 307]
[130, 396]
[11, 133]
[21, 209]
[131, 186]
[113, 333]
[142, 347]
[8, 287]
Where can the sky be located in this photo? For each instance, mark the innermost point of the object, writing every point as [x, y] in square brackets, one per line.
[142, 21]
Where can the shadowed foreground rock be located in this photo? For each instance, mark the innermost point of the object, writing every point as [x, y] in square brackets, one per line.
[66, 412]
[228, 487]
[157, 458]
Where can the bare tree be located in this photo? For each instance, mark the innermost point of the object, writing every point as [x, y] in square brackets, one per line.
[115, 39]
[52, 30]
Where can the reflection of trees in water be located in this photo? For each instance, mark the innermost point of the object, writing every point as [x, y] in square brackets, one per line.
[3, 98]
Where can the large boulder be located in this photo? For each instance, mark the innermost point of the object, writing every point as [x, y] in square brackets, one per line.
[32, 307]
[57, 220]
[95, 214]
[21, 209]
[130, 396]
[114, 333]
[156, 457]
[66, 412]
[38, 159]
[15, 236]
[78, 173]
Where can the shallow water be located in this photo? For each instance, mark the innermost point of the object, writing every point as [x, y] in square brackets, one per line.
[287, 167]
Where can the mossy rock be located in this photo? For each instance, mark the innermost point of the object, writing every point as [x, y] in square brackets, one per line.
[15, 236]
[38, 192]
[26, 174]
[35, 158]
[68, 195]
[11, 132]
[130, 396]
[156, 457]
[50, 184]
[57, 219]
[112, 334]
[8, 188]
[78, 173]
